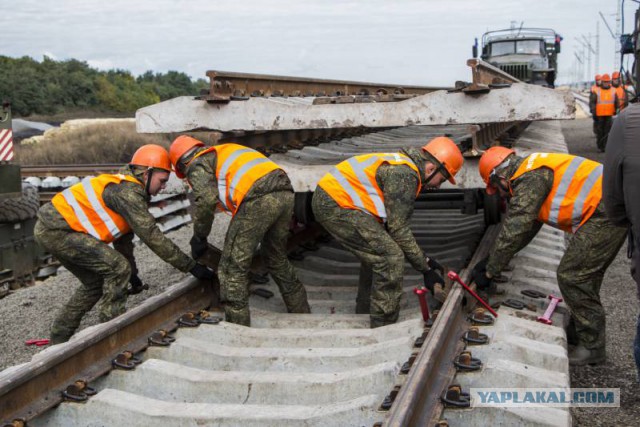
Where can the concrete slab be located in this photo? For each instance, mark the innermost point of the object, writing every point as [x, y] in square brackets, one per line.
[172, 382]
[113, 407]
[206, 355]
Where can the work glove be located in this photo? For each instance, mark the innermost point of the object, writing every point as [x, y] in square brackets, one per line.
[136, 285]
[479, 275]
[431, 277]
[198, 247]
[435, 265]
[202, 272]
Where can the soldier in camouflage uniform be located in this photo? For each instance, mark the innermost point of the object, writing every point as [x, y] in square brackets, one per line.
[380, 237]
[530, 189]
[259, 195]
[104, 272]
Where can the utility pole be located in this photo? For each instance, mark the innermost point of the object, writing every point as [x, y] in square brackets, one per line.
[580, 66]
[590, 50]
[596, 67]
[616, 62]
[616, 41]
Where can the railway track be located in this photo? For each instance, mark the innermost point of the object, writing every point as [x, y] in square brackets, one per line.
[325, 368]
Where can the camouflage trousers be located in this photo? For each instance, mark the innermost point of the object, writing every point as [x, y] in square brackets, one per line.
[382, 260]
[602, 129]
[263, 220]
[590, 252]
[103, 272]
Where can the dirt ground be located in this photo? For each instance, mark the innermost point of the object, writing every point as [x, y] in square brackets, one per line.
[29, 312]
[618, 296]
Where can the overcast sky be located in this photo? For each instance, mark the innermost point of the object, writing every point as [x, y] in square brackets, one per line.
[403, 41]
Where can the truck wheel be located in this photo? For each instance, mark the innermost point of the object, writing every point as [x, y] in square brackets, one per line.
[491, 209]
[20, 208]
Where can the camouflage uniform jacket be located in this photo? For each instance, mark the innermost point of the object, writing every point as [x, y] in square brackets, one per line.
[201, 174]
[521, 222]
[399, 185]
[131, 201]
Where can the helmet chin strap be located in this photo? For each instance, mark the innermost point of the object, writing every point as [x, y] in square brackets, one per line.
[148, 183]
[439, 168]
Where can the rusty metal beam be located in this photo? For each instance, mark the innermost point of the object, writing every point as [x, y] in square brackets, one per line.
[225, 86]
[486, 74]
[486, 135]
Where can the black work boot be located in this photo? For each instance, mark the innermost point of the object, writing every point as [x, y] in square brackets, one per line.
[580, 356]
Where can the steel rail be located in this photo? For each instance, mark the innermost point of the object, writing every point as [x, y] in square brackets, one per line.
[31, 389]
[418, 402]
[226, 86]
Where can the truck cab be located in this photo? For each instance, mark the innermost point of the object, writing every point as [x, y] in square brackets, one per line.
[528, 54]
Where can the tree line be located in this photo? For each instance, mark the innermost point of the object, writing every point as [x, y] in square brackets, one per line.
[53, 87]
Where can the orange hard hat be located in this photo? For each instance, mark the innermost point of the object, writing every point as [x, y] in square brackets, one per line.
[447, 153]
[615, 75]
[598, 77]
[179, 147]
[606, 78]
[490, 160]
[151, 156]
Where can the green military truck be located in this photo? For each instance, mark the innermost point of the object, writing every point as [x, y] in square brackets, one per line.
[528, 54]
[20, 257]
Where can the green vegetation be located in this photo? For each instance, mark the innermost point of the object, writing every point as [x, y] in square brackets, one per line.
[57, 87]
[97, 143]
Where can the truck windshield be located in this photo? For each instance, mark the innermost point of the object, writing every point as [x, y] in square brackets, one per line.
[522, 47]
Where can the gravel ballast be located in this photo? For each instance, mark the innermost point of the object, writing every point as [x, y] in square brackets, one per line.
[29, 312]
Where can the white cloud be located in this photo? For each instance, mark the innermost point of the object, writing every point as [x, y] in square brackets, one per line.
[405, 41]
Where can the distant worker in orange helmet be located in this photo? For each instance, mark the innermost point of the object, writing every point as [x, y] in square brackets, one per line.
[565, 192]
[80, 222]
[621, 93]
[258, 195]
[597, 83]
[603, 104]
[366, 202]
[594, 87]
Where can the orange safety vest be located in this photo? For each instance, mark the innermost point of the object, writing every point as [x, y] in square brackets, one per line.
[352, 183]
[622, 96]
[594, 87]
[605, 102]
[238, 168]
[82, 206]
[576, 191]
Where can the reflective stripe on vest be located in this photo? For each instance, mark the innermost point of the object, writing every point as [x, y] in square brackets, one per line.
[605, 102]
[352, 183]
[82, 206]
[237, 169]
[576, 191]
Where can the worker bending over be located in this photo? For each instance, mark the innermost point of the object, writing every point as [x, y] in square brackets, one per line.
[366, 202]
[565, 192]
[78, 224]
[259, 196]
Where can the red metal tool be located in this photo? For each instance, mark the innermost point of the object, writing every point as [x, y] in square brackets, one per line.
[454, 276]
[37, 342]
[546, 317]
[422, 297]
